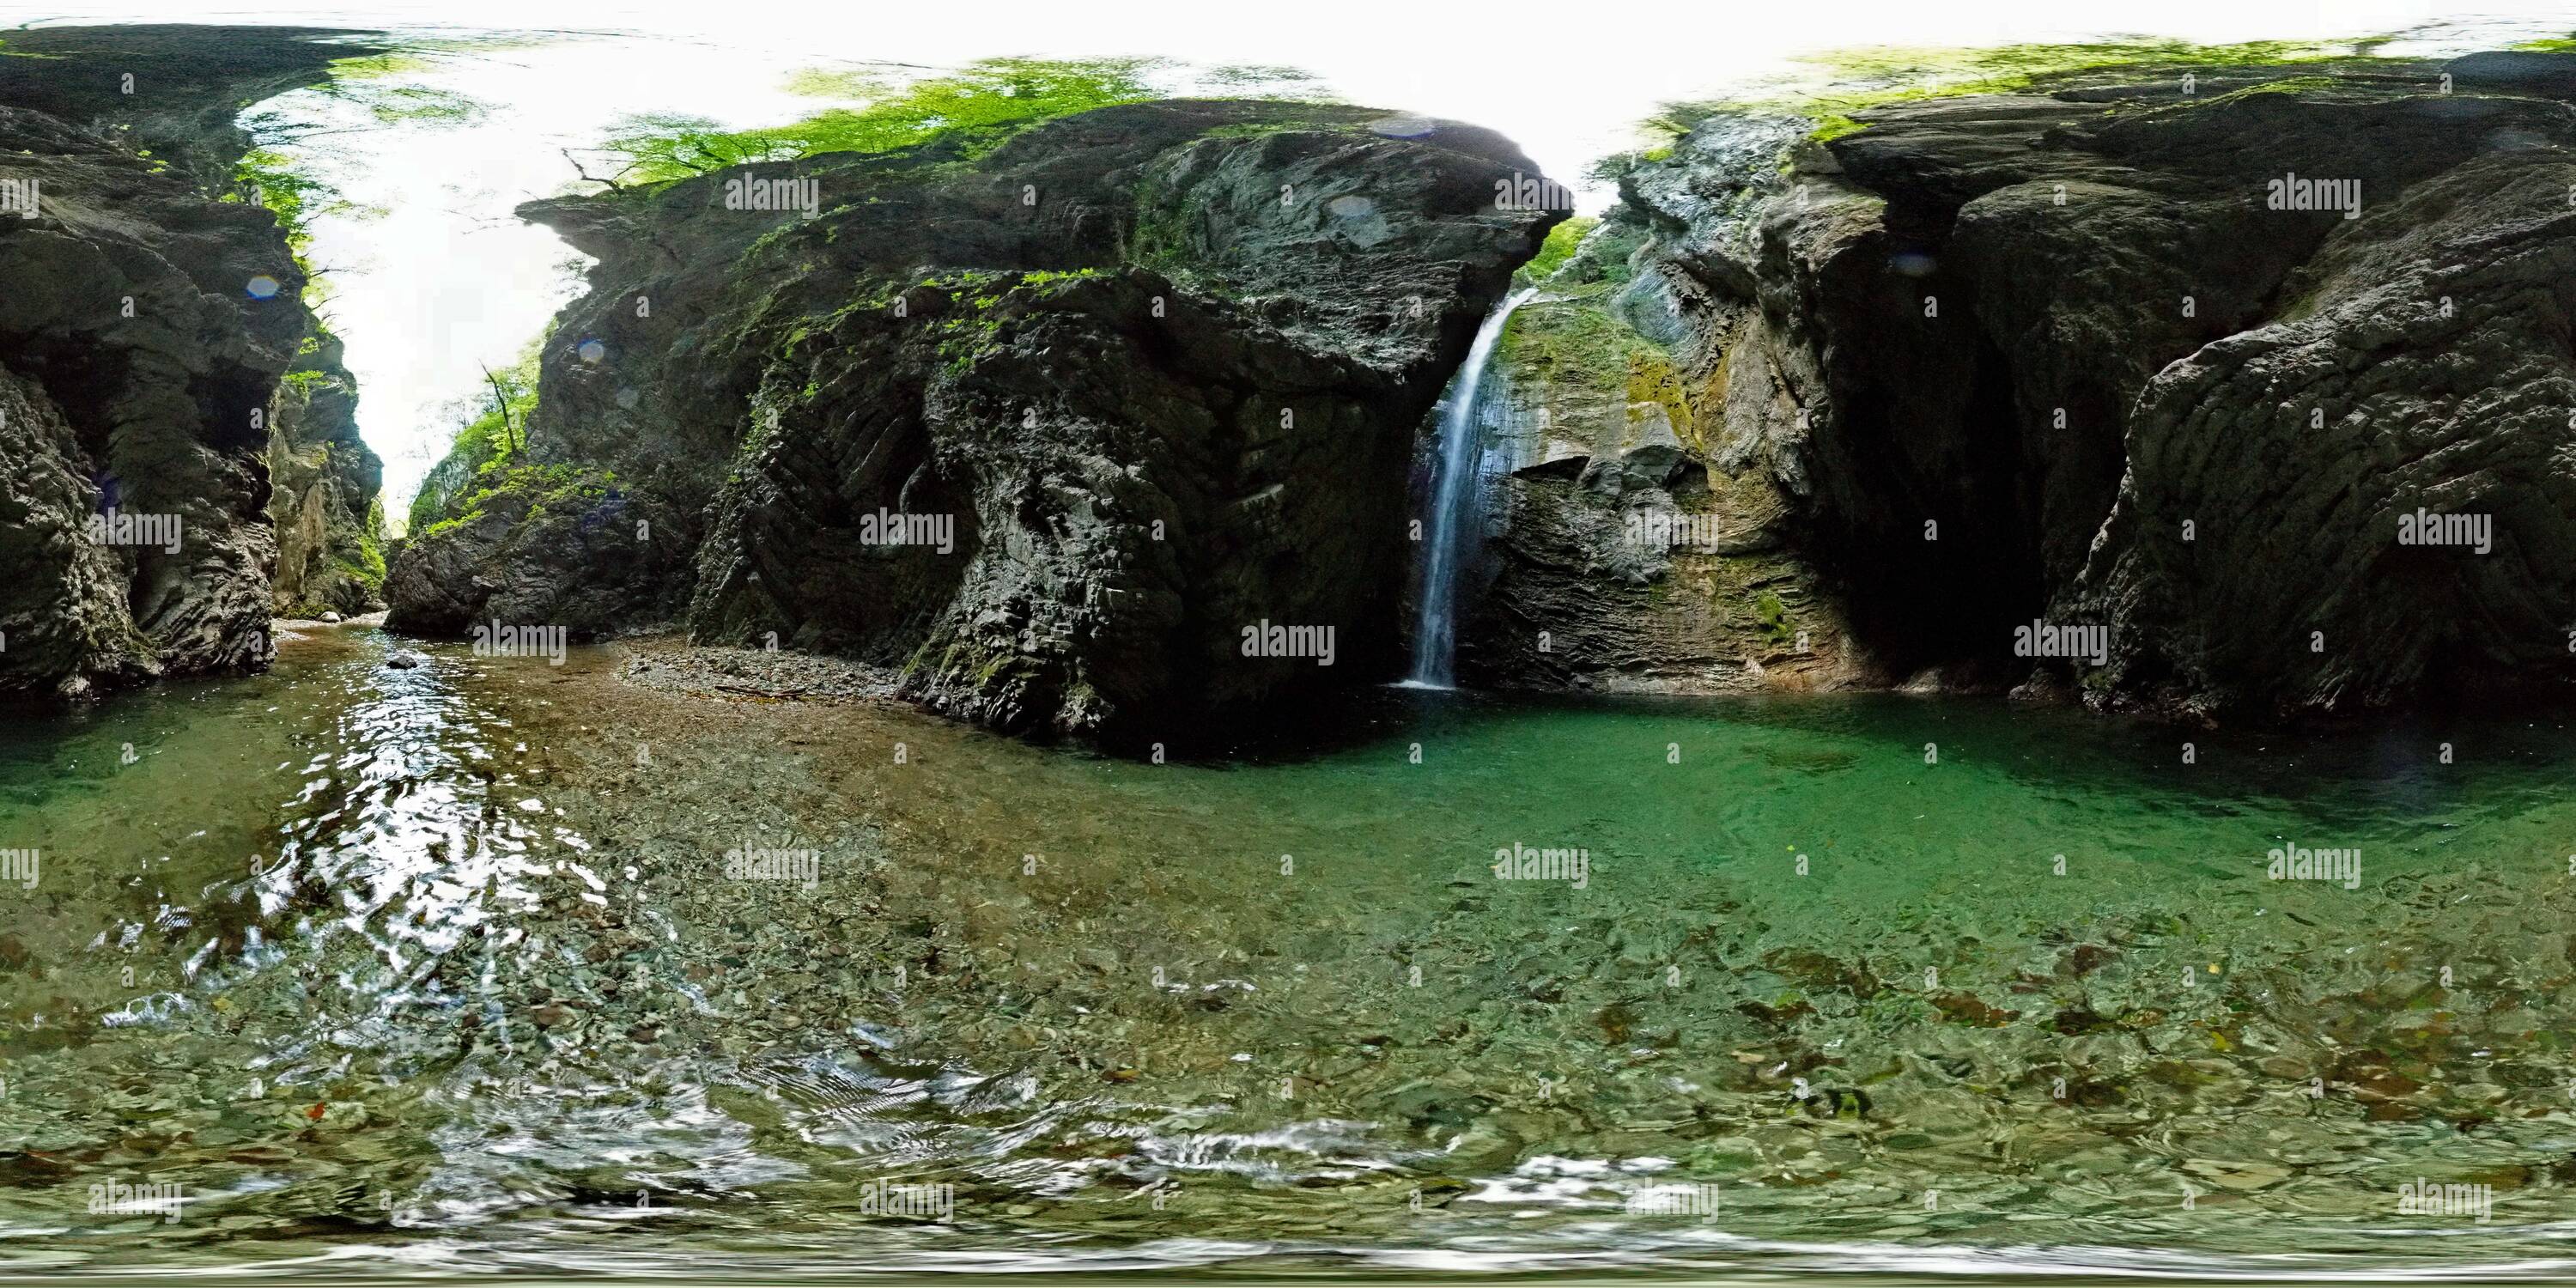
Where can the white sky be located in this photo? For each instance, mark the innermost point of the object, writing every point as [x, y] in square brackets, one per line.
[446, 280]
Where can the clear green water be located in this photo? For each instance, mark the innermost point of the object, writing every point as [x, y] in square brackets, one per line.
[442, 969]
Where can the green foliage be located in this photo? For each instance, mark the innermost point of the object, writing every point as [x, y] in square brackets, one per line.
[983, 103]
[372, 83]
[824, 82]
[411, 103]
[362, 557]
[376, 67]
[1844, 82]
[542, 486]
[491, 432]
[1558, 248]
[269, 178]
[1042, 276]
[992, 98]
[273, 173]
[1160, 237]
[1569, 340]
[552, 485]
[972, 331]
[1831, 126]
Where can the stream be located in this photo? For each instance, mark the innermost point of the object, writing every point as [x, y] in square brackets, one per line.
[489, 963]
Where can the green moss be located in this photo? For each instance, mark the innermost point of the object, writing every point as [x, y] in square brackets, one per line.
[378, 82]
[540, 486]
[401, 104]
[1042, 276]
[1831, 126]
[1160, 237]
[362, 558]
[975, 327]
[1774, 617]
[1575, 342]
[1652, 378]
[444, 525]
[1558, 248]
[1291, 123]
[382, 66]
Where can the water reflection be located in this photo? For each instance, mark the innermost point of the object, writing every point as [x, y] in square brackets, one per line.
[442, 968]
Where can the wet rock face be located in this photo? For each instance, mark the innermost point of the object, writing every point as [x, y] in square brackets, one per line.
[1050, 428]
[142, 367]
[2114, 356]
[2422, 373]
[1625, 551]
[323, 486]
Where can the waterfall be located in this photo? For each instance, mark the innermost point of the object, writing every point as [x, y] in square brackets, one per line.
[1455, 518]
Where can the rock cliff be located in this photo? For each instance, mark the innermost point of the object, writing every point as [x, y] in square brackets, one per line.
[150, 313]
[1061, 428]
[2188, 355]
[324, 491]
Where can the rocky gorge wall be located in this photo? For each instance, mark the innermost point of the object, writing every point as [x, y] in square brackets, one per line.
[1060, 428]
[150, 316]
[2131, 383]
[2099, 354]
[1618, 558]
[325, 491]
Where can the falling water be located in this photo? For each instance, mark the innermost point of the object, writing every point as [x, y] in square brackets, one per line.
[1454, 517]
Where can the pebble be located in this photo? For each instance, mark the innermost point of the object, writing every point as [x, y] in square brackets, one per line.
[670, 666]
